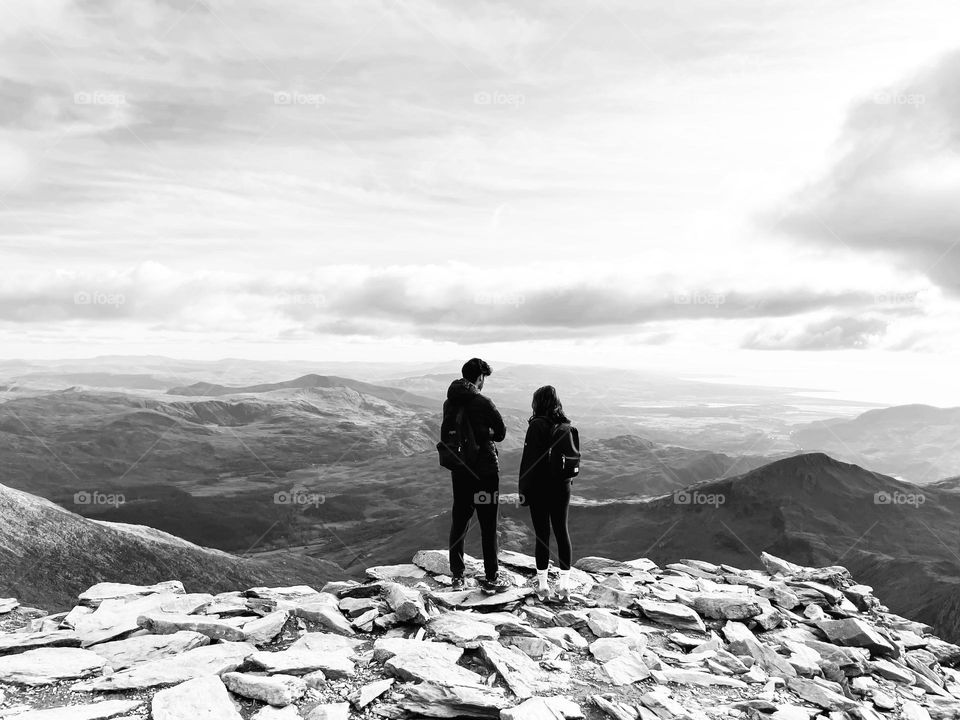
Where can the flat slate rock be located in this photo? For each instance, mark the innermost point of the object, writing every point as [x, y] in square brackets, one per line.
[699, 678]
[431, 669]
[207, 660]
[393, 572]
[277, 690]
[602, 565]
[815, 694]
[406, 603]
[743, 642]
[438, 562]
[122, 654]
[167, 624]
[627, 668]
[21, 641]
[477, 599]
[370, 692]
[203, 697]
[856, 633]
[264, 629]
[330, 711]
[438, 701]
[604, 649]
[300, 661]
[45, 666]
[8, 605]
[268, 712]
[121, 591]
[617, 710]
[517, 560]
[543, 708]
[604, 623]
[521, 674]
[727, 606]
[672, 614]
[293, 593]
[116, 618]
[93, 711]
[461, 629]
[388, 647]
[321, 611]
[326, 642]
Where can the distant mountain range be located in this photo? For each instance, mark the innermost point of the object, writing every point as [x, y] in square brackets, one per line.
[343, 470]
[393, 395]
[50, 555]
[919, 443]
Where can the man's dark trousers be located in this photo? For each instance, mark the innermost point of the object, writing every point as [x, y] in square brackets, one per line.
[480, 494]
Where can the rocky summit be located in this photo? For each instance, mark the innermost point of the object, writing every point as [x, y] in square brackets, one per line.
[635, 641]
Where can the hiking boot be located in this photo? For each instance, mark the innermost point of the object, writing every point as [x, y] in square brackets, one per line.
[498, 584]
[543, 594]
[563, 594]
[459, 583]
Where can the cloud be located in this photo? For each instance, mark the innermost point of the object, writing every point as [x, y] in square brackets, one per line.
[448, 302]
[835, 333]
[894, 191]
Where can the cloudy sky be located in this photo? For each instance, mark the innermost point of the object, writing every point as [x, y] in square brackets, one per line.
[766, 188]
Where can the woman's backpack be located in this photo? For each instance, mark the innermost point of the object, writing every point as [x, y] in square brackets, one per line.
[564, 455]
[458, 448]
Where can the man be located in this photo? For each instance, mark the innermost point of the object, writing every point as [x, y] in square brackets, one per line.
[476, 488]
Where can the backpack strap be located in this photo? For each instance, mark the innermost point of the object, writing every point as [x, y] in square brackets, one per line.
[465, 432]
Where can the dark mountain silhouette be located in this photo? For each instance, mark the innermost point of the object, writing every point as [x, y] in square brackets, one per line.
[629, 466]
[50, 555]
[915, 442]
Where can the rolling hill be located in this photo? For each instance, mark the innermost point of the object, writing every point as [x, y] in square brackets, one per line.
[389, 394]
[915, 442]
[50, 554]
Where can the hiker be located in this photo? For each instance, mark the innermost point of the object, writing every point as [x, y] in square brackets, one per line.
[476, 480]
[545, 484]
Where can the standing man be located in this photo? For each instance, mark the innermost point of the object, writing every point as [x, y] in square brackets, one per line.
[476, 488]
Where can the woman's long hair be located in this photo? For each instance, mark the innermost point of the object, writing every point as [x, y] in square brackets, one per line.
[546, 403]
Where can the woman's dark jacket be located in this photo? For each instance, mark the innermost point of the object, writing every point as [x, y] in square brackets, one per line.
[535, 474]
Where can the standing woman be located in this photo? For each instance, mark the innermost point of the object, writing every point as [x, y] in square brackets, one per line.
[545, 491]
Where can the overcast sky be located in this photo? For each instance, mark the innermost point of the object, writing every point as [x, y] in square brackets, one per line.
[713, 186]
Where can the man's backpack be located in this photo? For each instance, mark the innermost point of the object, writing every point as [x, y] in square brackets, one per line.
[458, 448]
[564, 456]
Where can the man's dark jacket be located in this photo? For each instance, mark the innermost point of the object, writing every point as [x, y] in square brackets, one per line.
[484, 418]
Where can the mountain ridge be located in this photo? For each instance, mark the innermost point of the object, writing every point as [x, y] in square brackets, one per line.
[310, 380]
[51, 554]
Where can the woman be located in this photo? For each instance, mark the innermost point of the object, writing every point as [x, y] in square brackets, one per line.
[547, 495]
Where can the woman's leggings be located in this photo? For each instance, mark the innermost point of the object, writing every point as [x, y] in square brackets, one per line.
[551, 507]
